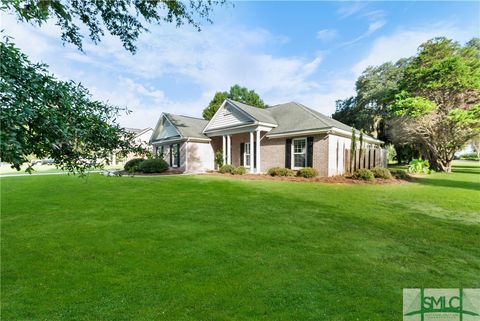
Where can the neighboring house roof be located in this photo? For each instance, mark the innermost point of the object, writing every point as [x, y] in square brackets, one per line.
[138, 131]
[133, 130]
[259, 114]
[188, 127]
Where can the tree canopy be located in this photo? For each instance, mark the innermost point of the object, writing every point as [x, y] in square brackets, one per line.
[46, 117]
[236, 93]
[376, 88]
[429, 102]
[125, 19]
[438, 104]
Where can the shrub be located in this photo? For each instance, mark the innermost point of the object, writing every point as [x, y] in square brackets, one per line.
[307, 172]
[399, 173]
[419, 166]
[219, 158]
[240, 170]
[227, 169]
[381, 172]
[133, 164]
[469, 156]
[363, 174]
[154, 165]
[280, 171]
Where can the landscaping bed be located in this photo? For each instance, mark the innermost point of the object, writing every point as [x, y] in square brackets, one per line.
[333, 179]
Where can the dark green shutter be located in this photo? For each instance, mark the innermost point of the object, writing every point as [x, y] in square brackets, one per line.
[242, 151]
[309, 151]
[288, 153]
[178, 155]
[171, 163]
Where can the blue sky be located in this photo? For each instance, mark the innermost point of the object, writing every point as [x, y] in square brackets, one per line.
[309, 52]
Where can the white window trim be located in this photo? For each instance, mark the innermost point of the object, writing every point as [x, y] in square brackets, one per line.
[245, 155]
[293, 152]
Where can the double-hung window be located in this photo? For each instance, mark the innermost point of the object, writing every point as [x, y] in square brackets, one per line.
[246, 155]
[299, 153]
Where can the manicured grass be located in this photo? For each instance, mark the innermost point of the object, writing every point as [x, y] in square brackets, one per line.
[212, 248]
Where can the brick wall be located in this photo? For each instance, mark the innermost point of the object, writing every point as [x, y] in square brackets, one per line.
[272, 151]
[320, 154]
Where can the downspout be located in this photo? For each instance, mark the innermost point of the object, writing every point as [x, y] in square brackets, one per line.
[186, 154]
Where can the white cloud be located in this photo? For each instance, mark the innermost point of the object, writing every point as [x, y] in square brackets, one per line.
[327, 34]
[211, 60]
[374, 26]
[404, 43]
[351, 8]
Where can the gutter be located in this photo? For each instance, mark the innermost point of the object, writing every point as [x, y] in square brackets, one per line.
[330, 130]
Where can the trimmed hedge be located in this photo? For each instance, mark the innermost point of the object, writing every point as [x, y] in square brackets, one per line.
[399, 173]
[240, 170]
[280, 171]
[230, 169]
[133, 165]
[381, 172]
[155, 165]
[227, 169]
[307, 172]
[363, 174]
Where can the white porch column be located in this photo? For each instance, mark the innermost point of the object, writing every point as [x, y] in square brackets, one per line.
[224, 150]
[258, 152]
[114, 159]
[252, 143]
[229, 150]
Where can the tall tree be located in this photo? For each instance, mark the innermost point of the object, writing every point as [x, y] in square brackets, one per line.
[438, 107]
[46, 117]
[237, 93]
[125, 19]
[375, 90]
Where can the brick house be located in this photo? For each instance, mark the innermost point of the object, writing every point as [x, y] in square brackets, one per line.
[287, 135]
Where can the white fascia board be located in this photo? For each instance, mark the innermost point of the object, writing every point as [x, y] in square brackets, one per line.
[232, 130]
[299, 133]
[241, 110]
[156, 127]
[347, 134]
[196, 139]
[267, 124]
[330, 130]
[174, 127]
[167, 141]
[214, 116]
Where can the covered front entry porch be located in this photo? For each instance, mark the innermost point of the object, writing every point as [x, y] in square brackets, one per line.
[241, 148]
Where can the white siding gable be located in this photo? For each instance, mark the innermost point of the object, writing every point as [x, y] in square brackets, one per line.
[228, 116]
[166, 130]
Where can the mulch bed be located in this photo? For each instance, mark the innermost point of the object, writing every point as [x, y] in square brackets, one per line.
[166, 173]
[333, 179]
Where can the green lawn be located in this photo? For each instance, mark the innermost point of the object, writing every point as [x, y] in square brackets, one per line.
[212, 248]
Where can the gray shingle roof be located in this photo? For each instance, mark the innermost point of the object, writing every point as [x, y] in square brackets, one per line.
[297, 117]
[188, 126]
[260, 114]
[289, 117]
